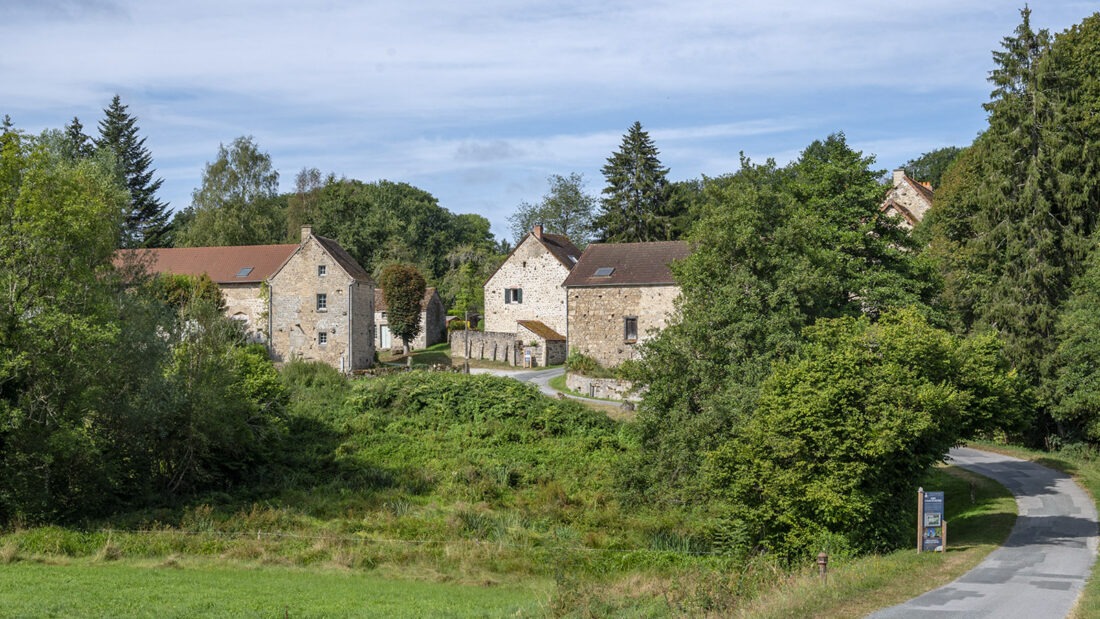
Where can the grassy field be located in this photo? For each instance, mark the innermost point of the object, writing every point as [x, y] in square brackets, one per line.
[453, 495]
[438, 354]
[192, 589]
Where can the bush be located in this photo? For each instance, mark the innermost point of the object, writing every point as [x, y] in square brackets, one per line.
[584, 365]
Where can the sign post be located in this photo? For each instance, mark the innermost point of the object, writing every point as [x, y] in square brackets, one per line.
[931, 525]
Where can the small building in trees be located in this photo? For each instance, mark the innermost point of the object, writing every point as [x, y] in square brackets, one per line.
[309, 300]
[619, 294]
[907, 199]
[433, 322]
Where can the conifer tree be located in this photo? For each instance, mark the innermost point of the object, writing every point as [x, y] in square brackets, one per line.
[79, 145]
[636, 198]
[146, 222]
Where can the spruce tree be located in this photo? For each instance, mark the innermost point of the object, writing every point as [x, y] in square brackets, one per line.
[146, 222]
[79, 145]
[635, 203]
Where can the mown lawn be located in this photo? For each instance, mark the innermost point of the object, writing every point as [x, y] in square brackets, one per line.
[174, 589]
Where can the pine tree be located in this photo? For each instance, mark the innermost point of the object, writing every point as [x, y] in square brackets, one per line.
[636, 198]
[79, 144]
[146, 223]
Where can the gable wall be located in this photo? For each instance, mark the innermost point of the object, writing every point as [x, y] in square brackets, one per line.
[596, 319]
[247, 303]
[909, 197]
[348, 319]
[540, 279]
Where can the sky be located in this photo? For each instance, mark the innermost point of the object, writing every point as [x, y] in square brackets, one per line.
[479, 102]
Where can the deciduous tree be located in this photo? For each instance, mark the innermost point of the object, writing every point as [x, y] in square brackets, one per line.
[565, 209]
[403, 288]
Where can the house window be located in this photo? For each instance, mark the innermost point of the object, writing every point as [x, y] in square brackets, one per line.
[630, 329]
[322, 302]
[322, 270]
[605, 271]
[322, 338]
[513, 295]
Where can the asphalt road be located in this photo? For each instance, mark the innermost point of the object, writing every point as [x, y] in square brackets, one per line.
[1042, 567]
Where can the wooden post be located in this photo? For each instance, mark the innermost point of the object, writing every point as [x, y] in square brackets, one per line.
[920, 520]
[943, 533]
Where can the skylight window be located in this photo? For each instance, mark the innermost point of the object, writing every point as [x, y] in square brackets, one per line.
[244, 272]
[573, 259]
[605, 271]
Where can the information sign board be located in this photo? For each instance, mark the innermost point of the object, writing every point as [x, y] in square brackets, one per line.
[932, 524]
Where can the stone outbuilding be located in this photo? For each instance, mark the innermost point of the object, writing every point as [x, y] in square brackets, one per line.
[308, 301]
[433, 322]
[908, 200]
[619, 294]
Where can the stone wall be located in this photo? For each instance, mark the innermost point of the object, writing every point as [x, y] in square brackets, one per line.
[297, 324]
[487, 345]
[602, 388]
[533, 269]
[248, 304]
[543, 352]
[596, 319]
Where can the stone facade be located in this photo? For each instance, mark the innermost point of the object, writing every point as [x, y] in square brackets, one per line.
[602, 388]
[541, 348]
[597, 319]
[536, 268]
[433, 322]
[338, 328]
[247, 303]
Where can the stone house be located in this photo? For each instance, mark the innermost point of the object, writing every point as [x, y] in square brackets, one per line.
[525, 309]
[433, 322]
[527, 285]
[619, 294]
[307, 301]
[907, 199]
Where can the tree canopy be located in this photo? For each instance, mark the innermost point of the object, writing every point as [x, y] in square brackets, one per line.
[566, 209]
[403, 289]
[634, 207]
[237, 203]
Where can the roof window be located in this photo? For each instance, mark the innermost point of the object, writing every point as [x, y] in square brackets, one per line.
[244, 272]
[605, 271]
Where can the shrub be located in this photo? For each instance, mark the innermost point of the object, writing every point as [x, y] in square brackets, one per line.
[580, 363]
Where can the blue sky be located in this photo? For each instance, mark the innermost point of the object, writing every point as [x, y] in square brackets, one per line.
[478, 102]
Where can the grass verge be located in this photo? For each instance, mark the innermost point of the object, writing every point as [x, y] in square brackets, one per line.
[438, 354]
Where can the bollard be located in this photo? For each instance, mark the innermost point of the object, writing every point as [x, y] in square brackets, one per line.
[822, 566]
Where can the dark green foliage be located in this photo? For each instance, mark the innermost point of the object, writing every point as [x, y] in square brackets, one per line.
[78, 144]
[1074, 388]
[930, 166]
[403, 289]
[146, 220]
[178, 291]
[845, 429]
[635, 203]
[302, 204]
[566, 209]
[775, 250]
[583, 364]
[237, 203]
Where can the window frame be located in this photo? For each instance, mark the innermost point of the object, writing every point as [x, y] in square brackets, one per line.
[322, 270]
[513, 296]
[628, 322]
[322, 338]
[322, 302]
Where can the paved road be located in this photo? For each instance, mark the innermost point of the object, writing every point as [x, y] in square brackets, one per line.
[1041, 569]
[540, 378]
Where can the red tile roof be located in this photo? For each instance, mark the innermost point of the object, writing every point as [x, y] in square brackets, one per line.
[631, 264]
[224, 265]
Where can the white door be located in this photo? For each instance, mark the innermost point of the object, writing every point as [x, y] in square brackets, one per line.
[384, 337]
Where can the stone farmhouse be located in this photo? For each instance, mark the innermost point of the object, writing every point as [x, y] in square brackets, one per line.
[907, 199]
[619, 294]
[433, 322]
[308, 301]
[525, 305]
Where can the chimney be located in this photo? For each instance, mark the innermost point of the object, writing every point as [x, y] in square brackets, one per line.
[537, 231]
[307, 231]
[899, 175]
